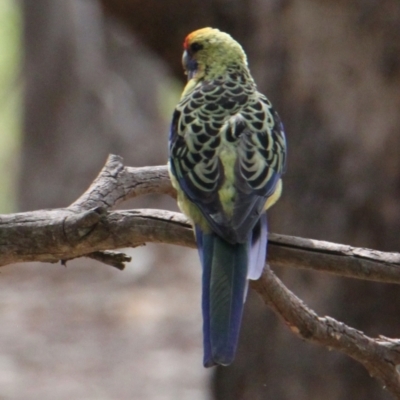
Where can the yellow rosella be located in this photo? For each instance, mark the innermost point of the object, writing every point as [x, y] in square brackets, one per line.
[227, 154]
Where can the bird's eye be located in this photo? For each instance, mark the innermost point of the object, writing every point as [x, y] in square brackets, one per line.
[194, 47]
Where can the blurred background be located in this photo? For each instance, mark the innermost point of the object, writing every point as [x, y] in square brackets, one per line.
[80, 79]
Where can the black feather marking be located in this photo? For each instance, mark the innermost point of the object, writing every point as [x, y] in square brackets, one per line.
[229, 136]
[249, 154]
[187, 164]
[211, 98]
[179, 143]
[230, 85]
[263, 139]
[213, 175]
[247, 164]
[202, 138]
[211, 107]
[208, 154]
[194, 104]
[187, 109]
[215, 142]
[257, 125]
[210, 130]
[175, 119]
[181, 126]
[257, 106]
[265, 154]
[197, 146]
[260, 115]
[208, 186]
[203, 116]
[247, 174]
[207, 88]
[219, 91]
[197, 95]
[196, 128]
[266, 101]
[260, 179]
[196, 157]
[242, 99]
[189, 119]
[229, 104]
[236, 91]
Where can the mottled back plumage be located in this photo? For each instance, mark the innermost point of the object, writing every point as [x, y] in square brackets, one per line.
[227, 149]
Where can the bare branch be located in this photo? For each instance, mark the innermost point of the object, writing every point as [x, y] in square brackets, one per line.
[65, 234]
[381, 356]
[337, 259]
[116, 260]
[88, 228]
[117, 183]
[56, 235]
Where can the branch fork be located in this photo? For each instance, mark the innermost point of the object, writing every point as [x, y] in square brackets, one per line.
[89, 228]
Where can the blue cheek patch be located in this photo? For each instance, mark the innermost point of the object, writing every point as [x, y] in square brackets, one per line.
[191, 68]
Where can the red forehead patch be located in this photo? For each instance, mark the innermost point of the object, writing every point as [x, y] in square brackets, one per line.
[189, 38]
[187, 41]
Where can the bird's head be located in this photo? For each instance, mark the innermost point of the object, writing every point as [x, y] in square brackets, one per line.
[208, 52]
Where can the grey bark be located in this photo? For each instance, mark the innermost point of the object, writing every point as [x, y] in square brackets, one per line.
[80, 230]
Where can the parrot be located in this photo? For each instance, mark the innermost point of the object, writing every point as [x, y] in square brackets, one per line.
[227, 152]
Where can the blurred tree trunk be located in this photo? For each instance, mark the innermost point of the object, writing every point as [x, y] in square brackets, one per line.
[92, 89]
[332, 69]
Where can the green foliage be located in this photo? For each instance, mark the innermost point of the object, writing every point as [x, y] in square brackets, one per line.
[10, 100]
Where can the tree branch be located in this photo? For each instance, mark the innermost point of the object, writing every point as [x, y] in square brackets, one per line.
[88, 228]
[380, 356]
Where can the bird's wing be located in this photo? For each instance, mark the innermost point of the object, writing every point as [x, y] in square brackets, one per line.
[260, 163]
[195, 139]
[201, 125]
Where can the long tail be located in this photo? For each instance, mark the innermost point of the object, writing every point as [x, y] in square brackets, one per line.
[224, 287]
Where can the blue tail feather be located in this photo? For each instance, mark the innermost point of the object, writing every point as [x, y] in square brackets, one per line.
[224, 285]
